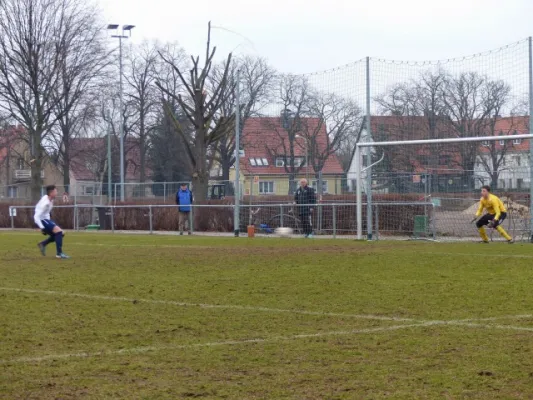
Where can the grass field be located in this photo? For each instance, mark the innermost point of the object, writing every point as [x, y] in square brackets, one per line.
[159, 317]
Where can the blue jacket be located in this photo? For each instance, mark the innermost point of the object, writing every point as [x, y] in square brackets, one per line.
[184, 200]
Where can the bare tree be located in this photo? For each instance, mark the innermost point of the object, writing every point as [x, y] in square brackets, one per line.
[83, 61]
[418, 112]
[493, 155]
[333, 122]
[294, 95]
[168, 144]
[33, 35]
[256, 86]
[200, 108]
[470, 101]
[142, 94]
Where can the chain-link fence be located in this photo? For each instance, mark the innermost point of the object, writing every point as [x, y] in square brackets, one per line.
[392, 220]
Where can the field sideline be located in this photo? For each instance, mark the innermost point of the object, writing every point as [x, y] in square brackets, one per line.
[164, 317]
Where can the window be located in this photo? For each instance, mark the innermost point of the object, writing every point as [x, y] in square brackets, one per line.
[21, 164]
[282, 161]
[485, 143]
[517, 141]
[88, 190]
[510, 183]
[12, 192]
[258, 162]
[502, 143]
[519, 183]
[266, 187]
[518, 161]
[324, 186]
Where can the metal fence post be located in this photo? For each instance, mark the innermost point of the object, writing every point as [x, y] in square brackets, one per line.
[11, 212]
[434, 222]
[191, 218]
[376, 222]
[112, 210]
[334, 222]
[369, 155]
[281, 215]
[150, 217]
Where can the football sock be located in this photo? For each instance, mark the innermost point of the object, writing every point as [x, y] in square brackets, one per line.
[59, 242]
[503, 232]
[483, 234]
[51, 239]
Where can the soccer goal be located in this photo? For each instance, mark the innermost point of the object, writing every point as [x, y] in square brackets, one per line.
[438, 182]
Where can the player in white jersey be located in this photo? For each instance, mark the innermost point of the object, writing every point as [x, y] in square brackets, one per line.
[48, 227]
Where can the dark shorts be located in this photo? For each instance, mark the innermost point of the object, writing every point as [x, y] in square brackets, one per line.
[49, 226]
[487, 218]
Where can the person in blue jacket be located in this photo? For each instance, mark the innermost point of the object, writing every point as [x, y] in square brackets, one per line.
[184, 200]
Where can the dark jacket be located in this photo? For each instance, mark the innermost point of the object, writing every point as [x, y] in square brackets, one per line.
[184, 200]
[305, 197]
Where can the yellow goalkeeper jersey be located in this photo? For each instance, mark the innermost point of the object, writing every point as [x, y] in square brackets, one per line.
[493, 205]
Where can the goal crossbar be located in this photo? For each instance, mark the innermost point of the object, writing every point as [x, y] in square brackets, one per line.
[359, 170]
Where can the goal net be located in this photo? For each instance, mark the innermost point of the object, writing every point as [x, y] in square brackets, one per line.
[438, 182]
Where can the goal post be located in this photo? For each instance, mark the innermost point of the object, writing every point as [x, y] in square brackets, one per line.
[358, 158]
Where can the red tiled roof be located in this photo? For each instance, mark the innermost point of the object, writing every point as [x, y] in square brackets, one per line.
[264, 137]
[391, 127]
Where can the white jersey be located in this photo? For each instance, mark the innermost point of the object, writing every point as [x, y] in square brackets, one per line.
[43, 210]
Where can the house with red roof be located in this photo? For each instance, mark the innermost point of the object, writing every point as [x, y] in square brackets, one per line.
[280, 151]
[15, 165]
[89, 159]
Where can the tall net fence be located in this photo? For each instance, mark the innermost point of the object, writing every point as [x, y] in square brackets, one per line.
[307, 127]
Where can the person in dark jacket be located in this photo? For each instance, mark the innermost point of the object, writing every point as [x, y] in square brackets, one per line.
[184, 200]
[305, 198]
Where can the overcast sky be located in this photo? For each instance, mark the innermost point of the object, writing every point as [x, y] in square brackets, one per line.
[305, 36]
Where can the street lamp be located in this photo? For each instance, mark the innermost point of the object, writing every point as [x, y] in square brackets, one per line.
[125, 28]
[306, 155]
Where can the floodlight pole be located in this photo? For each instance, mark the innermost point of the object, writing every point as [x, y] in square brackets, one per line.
[237, 209]
[121, 102]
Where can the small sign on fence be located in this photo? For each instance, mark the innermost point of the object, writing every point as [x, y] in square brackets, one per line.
[12, 212]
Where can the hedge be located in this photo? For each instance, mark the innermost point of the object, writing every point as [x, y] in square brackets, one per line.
[219, 216]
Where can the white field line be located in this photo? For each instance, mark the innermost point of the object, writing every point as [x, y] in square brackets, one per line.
[481, 255]
[147, 349]
[261, 309]
[209, 306]
[139, 350]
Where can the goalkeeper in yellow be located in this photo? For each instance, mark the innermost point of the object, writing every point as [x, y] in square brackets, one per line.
[496, 213]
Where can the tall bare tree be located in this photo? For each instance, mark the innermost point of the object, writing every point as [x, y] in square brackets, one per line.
[32, 59]
[294, 95]
[142, 94]
[333, 122]
[200, 106]
[83, 62]
[257, 80]
[471, 101]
